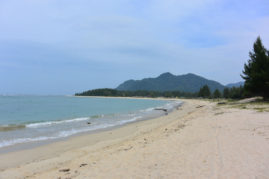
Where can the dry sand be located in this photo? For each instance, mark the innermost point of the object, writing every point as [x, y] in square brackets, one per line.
[200, 140]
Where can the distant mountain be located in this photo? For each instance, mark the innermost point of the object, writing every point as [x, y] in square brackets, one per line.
[169, 82]
[238, 84]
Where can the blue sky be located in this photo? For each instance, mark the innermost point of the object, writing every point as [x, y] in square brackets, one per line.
[67, 46]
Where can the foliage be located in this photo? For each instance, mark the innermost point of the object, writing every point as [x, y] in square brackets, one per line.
[226, 93]
[232, 93]
[204, 92]
[236, 93]
[117, 93]
[256, 71]
[216, 94]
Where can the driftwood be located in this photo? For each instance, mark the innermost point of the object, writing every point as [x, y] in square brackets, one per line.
[64, 170]
[83, 164]
[161, 109]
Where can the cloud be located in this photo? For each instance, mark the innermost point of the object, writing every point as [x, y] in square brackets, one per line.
[131, 38]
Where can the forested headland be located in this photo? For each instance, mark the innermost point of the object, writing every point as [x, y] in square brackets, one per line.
[255, 73]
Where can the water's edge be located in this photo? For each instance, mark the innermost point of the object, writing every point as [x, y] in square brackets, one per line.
[34, 142]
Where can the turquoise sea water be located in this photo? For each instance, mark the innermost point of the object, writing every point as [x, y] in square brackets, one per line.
[38, 118]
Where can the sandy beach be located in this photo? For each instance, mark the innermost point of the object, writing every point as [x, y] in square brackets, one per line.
[200, 140]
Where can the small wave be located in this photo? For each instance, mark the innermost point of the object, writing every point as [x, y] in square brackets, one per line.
[97, 116]
[147, 110]
[42, 124]
[11, 127]
[6, 143]
[129, 120]
[62, 134]
[41, 138]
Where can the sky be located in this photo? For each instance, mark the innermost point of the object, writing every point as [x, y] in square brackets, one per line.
[53, 47]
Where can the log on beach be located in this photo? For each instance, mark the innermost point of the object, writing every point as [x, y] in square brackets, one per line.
[162, 109]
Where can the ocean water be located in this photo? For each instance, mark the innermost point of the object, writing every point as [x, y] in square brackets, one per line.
[28, 119]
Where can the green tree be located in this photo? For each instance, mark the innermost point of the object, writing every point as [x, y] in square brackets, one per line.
[256, 71]
[226, 93]
[204, 92]
[236, 92]
[216, 94]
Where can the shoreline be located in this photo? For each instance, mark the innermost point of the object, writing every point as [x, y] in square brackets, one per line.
[133, 97]
[200, 140]
[36, 143]
[62, 144]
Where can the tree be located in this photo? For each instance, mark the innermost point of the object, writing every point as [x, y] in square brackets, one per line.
[216, 94]
[204, 92]
[256, 71]
[226, 93]
[236, 92]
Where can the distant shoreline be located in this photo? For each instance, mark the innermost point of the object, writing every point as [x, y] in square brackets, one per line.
[135, 97]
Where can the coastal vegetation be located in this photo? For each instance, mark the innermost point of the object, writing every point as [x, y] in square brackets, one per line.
[216, 94]
[256, 71]
[138, 93]
[204, 92]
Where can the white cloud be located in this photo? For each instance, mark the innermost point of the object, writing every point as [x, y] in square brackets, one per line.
[199, 36]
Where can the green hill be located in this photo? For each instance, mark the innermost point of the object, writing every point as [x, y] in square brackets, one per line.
[238, 84]
[169, 82]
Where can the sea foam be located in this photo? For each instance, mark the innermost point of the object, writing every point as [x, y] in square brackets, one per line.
[67, 133]
[31, 119]
[49, 123]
